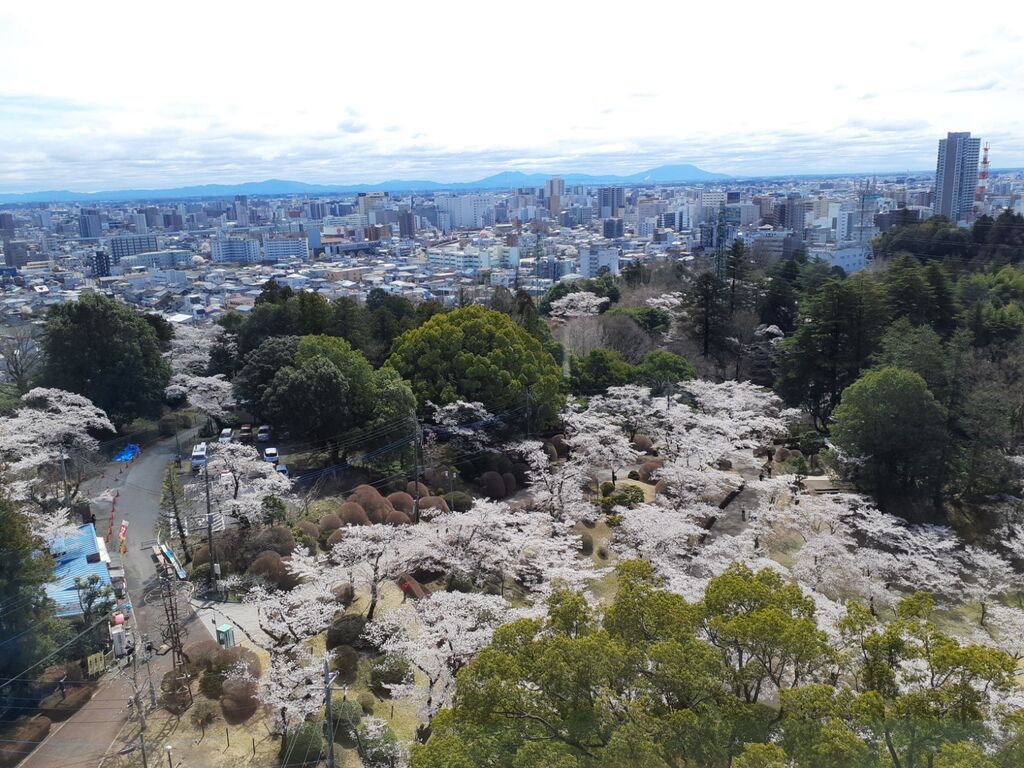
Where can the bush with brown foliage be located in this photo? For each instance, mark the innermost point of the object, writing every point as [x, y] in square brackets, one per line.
[430, 506]
[363, 493]
[352, 513]
[499, 462]
[200, 654]
[492, 486]
[347, 629]
[401, 501]
[20, 738]
[643, 443]
[238, 658]
[394, 517]
[560, 446]
[308, 528]
[521, 472]
[200, 555]
[334, 538]
[174, 695]
[344, 594]
[329, 523]
[276, 539]
[271, 567]
[238, 701]
[412, 486]
[510, 483]
[648, 468]
[377, 509]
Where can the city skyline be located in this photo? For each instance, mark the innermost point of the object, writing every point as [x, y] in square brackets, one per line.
[547, 90]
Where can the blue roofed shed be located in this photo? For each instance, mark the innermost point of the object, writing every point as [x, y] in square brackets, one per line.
[79, 555]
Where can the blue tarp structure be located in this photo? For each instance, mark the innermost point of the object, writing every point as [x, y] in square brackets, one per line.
[128, 453]
[75, 555]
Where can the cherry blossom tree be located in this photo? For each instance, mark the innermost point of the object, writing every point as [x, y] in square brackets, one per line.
[190, 348]
[579, 304]
[556, 488]
[47, 448]
[598, 441]
[494, 541]
[371, 555]
[438, 636]
[212, 395]
[630, 407]
[240, 482]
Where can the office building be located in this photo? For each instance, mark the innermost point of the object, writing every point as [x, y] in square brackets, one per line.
[956, 176]
[129, 245]
[138, 223]
[89, 227]
[7, 225]
[158, 259]
[554, 190]
[237, 250]
[610, 202]
[613, 228]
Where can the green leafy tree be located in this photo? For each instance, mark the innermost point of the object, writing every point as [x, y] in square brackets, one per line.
[352, 366]
[476, 354]
[839, 330]
[29, 633]
[890, 420]
[710, 309]
[108, 353]
[310, 399]
[261, 366]
[602, 368]
[778, 306]
[916, 348]
[662, 370]
[910, 293]
[351, 322]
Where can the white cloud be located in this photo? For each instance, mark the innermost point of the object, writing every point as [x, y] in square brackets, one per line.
[347, 92]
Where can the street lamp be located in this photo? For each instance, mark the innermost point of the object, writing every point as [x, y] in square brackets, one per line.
[170, 763]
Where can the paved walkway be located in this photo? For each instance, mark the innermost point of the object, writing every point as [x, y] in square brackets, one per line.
[86, 737]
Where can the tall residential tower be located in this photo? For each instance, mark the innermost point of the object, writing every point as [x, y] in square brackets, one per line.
[956, 176]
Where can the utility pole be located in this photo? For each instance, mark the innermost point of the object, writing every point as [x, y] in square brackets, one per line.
[64, 474]
[209, 526]
[172, 633]
[142, 747]
[329, 724]
[417, 455]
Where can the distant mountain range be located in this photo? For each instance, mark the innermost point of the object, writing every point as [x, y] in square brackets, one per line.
[663, 174]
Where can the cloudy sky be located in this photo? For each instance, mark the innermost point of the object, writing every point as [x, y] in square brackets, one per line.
[114, 95]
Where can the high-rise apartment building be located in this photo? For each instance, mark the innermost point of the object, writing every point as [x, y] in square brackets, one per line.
[238, 250]
[956, 176]
[7, 225]
[554, 191]
[284, 248]
[89, 227]
[610, 202]
[129, 245]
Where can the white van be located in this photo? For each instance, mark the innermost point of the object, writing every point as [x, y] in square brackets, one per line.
[198, 457]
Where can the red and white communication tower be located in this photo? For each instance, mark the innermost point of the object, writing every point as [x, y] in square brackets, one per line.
[982, 175]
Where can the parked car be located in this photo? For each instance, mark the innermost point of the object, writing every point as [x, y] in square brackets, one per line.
[198, 457]
[283, 469]
[270, 454]
[263, 434]
[225, 435]
[245, 433]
